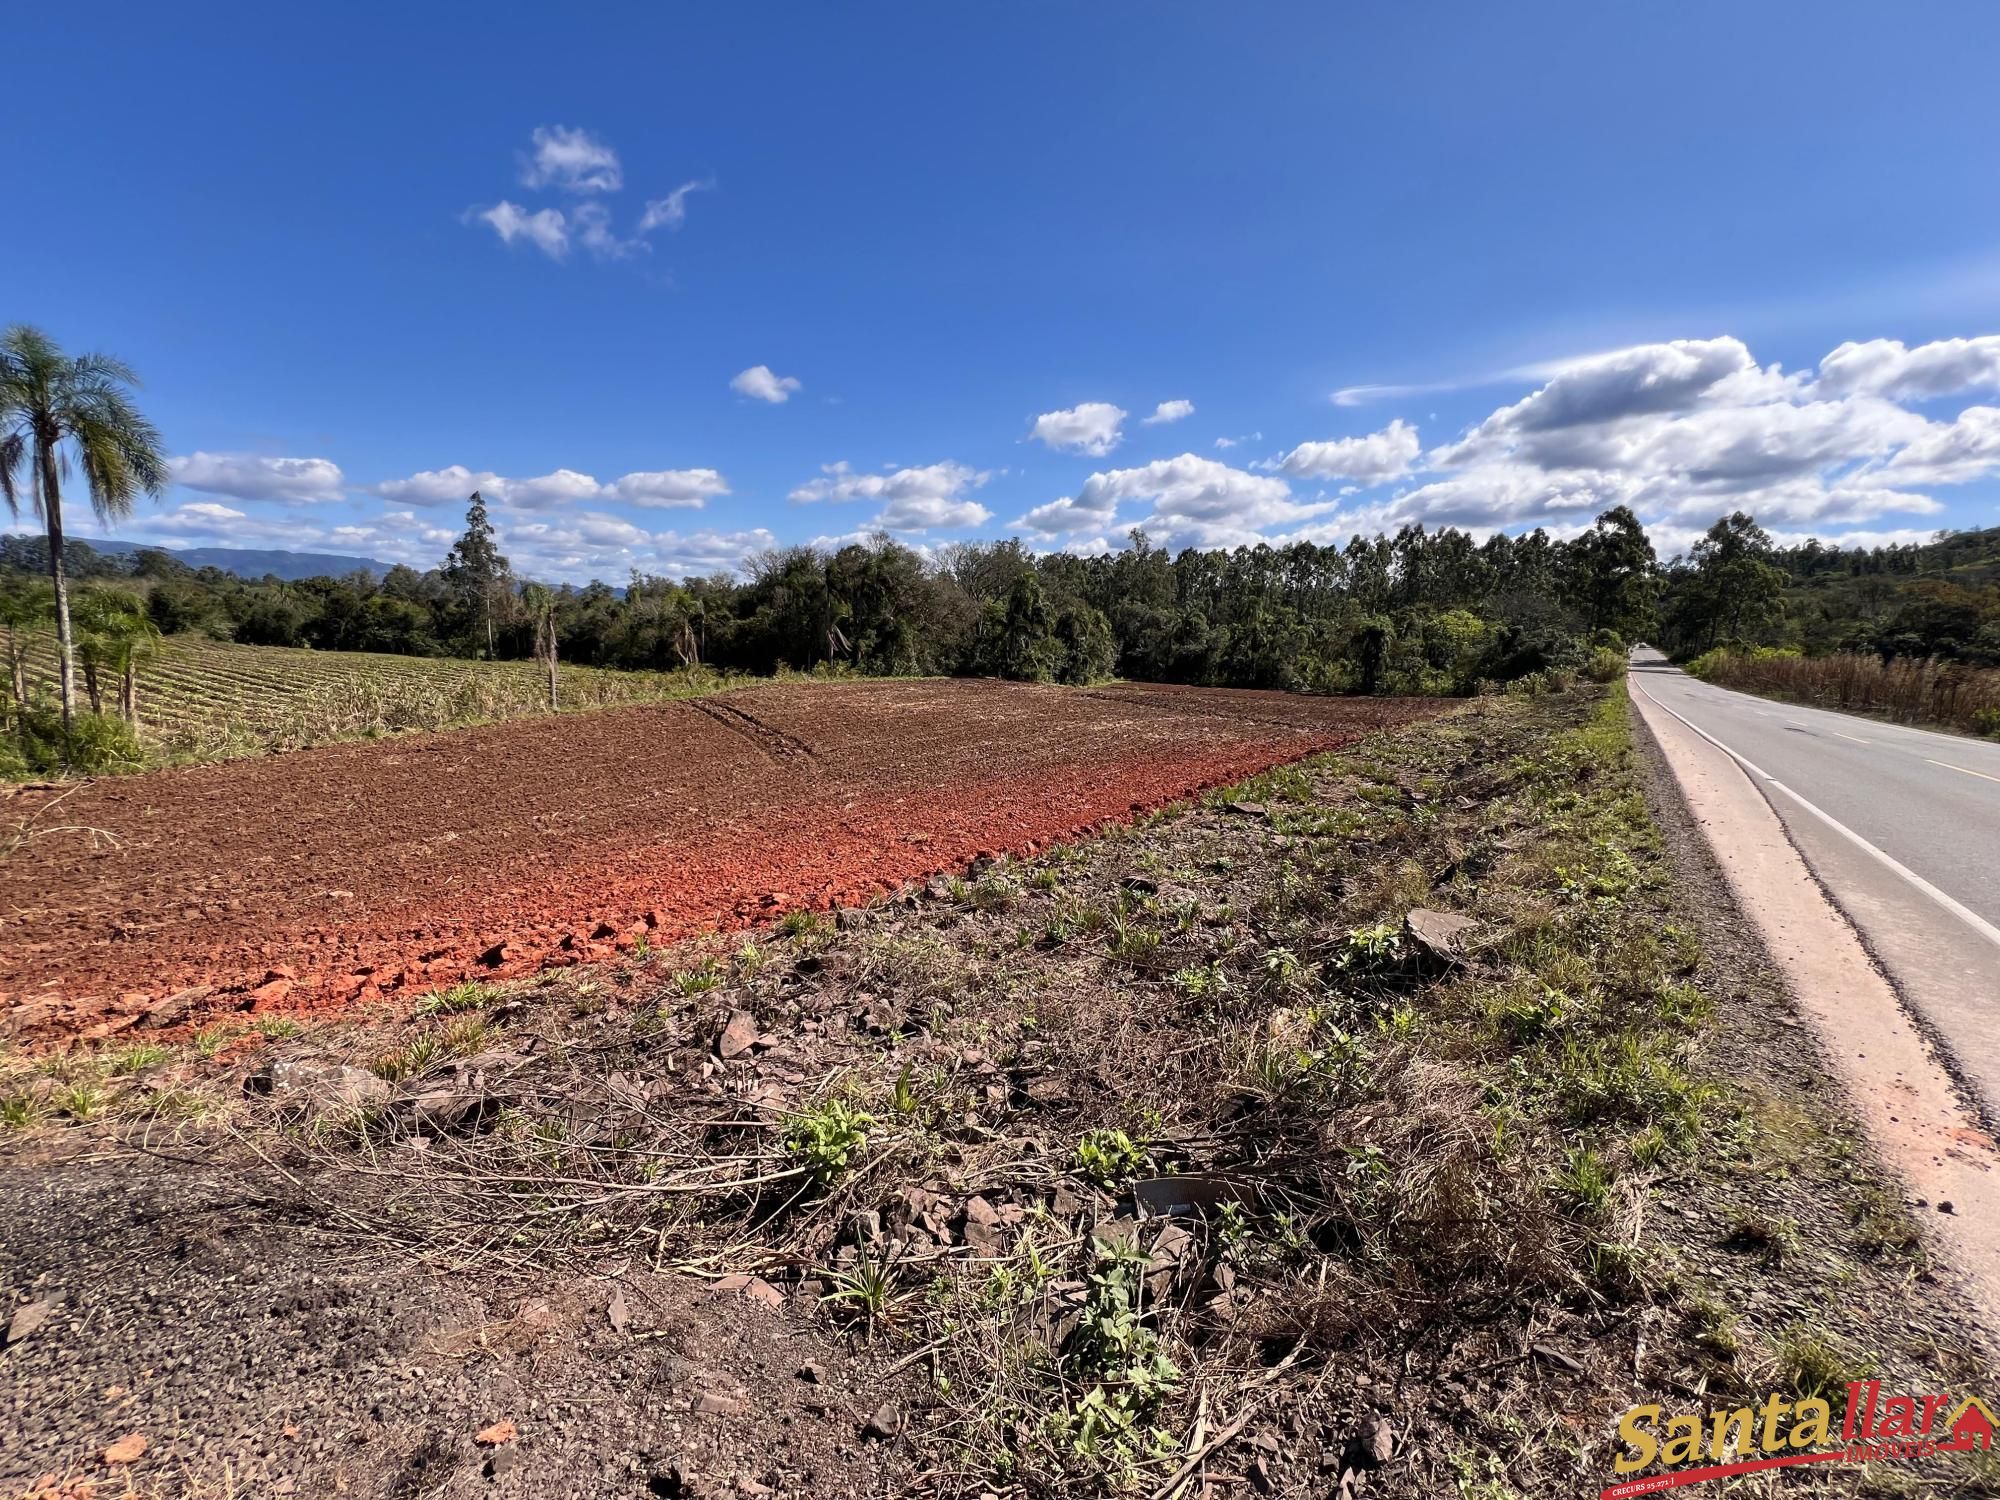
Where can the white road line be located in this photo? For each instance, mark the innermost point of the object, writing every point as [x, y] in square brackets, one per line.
[1856, 738]
[1966, 769]
[1958, 909]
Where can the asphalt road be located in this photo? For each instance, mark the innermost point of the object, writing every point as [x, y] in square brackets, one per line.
[1902, 828]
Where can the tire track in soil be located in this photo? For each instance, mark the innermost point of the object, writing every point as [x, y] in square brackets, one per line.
[314, 880]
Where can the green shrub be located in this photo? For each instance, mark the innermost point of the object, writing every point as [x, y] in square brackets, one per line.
[1605, 665]
[96, 743]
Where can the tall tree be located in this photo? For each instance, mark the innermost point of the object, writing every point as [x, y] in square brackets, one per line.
[58, 412]
[474, 568]
[1616, 573]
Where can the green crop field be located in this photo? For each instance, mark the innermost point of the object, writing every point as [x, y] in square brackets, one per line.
[201, 699]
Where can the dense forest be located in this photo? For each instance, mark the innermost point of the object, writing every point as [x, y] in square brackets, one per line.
[1417, 612]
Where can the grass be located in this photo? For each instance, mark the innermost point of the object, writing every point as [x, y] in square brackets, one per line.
[1906, 690]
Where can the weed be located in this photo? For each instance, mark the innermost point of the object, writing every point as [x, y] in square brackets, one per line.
[209, 1043]
[21, 1109]
[277, 1028]
[823, 1138]
[134, 1059]
[468, 995]
[82, 1101]
[700, 979]
[868, 1290]
[1814, 1363]
[802, 924]
[1584, 1182]
[1108, 1157]
[410, 1061]
[465, 1035]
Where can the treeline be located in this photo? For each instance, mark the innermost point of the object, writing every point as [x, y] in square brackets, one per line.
[1422, 611]
[1418, 612]
[1937, 601]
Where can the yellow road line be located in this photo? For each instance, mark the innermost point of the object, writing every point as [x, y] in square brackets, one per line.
[1950, 767]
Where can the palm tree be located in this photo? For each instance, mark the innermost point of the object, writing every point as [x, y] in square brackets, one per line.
[55, 411]
[115, 633]
[540, 602]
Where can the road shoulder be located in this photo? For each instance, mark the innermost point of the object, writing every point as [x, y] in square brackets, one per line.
[1917, 1119]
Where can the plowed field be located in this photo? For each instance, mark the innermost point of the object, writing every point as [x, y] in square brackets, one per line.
[328, 876]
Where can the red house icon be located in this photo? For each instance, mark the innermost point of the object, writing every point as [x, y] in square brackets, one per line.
[1972, 1426]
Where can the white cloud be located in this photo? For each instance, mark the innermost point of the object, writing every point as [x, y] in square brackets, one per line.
[669, 488]
[1092, 428]
[1168, 411]
[249, 476]
[545, 229]
[1948, 452]
[1883, 367]
[1223, 444]
[572, 159]
[592, 223]
[1373, 459]
[447, 486]
[917, 499]
[654, 489]
[1195, 501]
[670, 212]
[760, 384]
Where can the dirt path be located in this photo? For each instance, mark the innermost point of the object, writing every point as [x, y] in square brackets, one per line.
[1919, 1121]
[334, 875]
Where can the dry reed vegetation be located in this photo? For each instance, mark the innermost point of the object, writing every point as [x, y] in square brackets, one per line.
[1906, 689]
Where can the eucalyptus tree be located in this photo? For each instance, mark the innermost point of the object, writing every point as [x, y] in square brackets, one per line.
[58, 415]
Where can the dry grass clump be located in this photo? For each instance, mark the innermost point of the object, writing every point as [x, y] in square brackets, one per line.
[1907, 689]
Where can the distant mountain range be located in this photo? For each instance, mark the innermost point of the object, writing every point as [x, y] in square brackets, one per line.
[247, 562]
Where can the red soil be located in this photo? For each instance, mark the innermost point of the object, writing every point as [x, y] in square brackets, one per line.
[319, 878]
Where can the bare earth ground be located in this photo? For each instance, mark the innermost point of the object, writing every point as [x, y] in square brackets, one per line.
[1461, 1209]
[353, 871]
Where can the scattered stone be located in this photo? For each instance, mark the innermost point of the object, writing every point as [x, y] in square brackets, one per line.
[885, 1423]
[174, 1008]
[1557, 1358]
[711, 1404]
[127, 1450]
[496, 955]
[1143, 885]
[29, 1317]
[979, 1211]
[1945, 1206]
[1439, 935]
[738, 1036]
[1376, 1442]
[812, 1373]
[320, 1085]
[1164, 1196]
[502, 1431]
[619, 1314]
[755, 1288]
[852, 918]
[1245, 809]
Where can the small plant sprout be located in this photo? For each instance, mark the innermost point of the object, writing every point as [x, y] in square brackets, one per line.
[1108, 1157]
[824, 1138]
[467, 995]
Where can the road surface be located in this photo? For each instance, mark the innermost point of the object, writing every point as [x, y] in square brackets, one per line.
[1902, 828]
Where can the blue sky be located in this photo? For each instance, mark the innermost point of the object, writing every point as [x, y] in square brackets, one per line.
[1479, 265]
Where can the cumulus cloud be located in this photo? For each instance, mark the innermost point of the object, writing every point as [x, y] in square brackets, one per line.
[670, 212]
[591, 223]
[572, 159]
[1168, 411]
[1373, 459]
[1883, 367]
[916, 499]
[1194, 501]
[1092, 428]
[249, 476]
[760, 384]
[1687, 430]
[545, 229]
[654, 489]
